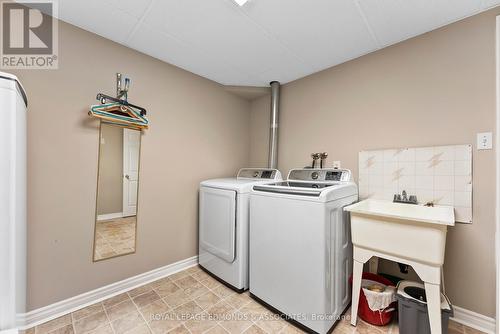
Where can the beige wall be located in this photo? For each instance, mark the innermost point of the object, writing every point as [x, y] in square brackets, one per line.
[198, 131]
[110, 184]
[435, 89]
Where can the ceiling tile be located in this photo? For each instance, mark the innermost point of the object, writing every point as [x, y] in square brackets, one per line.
[218, 28]
[490, 3]
[98, 17]
[396, 20]
[159, 45]
[136, 8]
[321, 32]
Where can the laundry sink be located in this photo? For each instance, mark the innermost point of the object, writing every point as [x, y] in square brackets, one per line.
[406, 231]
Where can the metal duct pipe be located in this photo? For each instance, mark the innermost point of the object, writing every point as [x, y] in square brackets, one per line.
[273, 131]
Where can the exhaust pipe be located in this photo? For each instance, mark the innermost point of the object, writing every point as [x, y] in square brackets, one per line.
[273, 131]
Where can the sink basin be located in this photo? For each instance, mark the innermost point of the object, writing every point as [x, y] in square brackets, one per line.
[406, 231]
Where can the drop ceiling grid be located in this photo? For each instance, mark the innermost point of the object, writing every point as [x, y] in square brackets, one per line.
[247, 45]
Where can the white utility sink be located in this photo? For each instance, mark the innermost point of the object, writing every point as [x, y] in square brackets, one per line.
[411, 231]
[405, 233]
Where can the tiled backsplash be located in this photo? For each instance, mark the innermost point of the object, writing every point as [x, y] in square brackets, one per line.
[440, 174]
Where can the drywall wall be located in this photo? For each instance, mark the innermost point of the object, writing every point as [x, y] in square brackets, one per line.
[436, 89]
[198, 131]
[110, 184]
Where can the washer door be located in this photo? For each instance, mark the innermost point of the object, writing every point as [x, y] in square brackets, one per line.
[218, 222]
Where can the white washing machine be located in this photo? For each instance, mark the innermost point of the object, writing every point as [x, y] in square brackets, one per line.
[223, 224]
[300, 245]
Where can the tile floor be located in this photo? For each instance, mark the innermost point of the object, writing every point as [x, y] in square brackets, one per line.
[114, 237]
[190, 302]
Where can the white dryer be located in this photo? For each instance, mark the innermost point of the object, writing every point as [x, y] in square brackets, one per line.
[223, 224]
[300, 245]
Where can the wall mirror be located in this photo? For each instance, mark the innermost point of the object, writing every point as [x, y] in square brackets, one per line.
[117, 191]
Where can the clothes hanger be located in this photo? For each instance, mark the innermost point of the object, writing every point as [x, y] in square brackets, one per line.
[119, 113]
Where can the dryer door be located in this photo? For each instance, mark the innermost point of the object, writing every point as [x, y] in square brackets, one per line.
[218, 222]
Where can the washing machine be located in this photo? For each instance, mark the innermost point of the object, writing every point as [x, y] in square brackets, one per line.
[300, 246]
[223, 224]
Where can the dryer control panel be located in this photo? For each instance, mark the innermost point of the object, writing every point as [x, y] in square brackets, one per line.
[259, 173]
[320, 175]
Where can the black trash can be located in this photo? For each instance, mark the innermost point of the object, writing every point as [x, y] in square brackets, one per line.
[412, 309]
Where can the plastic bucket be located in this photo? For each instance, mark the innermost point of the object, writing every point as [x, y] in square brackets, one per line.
[378, 318]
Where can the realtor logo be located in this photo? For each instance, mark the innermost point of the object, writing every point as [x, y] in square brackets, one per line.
[29, 35]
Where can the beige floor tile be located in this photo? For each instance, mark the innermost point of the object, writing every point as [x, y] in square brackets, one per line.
[115, 300]
[179, 330]
[141, 329]
[196, 290]
[164, 325]
[237, 325]
[198, 326]
[139, 290]
[28, 331]
[68, 329]
[238, 300]
[342, 328]
[178, 275]
[217, 330]
[146, 298]
[291, 329]
[102, 330]
[365, 328]
[127, 322]
[211, 283]
[155, 310]
[160, 282]
[469, 330]
[272, 326]
[254, 310]
[91, 322]
[187, 311]
[185, 282]
[177, 298]
[167, 288]
[207, 300]
[200, 275]
[119, 310]
[84, 312]
[194, 269]
[254, 329]
[53, 324]
[220, 311]
[223, 291]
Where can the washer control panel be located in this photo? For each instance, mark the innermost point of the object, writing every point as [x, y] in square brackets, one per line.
[259, 173]
[324, 175]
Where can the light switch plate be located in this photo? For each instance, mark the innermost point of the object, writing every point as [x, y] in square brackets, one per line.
[484, 141]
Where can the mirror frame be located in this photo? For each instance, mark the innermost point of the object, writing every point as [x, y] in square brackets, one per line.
[101, 123]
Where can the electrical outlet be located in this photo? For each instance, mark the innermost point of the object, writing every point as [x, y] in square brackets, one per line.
[484, 141]
[336, 164]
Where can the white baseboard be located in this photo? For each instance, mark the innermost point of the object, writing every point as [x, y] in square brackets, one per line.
[49, 312]
[109, 216]
[474, 320]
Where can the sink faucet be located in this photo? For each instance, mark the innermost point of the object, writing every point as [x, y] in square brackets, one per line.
[403, 198]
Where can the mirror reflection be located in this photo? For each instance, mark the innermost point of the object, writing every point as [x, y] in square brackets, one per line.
[117, 185]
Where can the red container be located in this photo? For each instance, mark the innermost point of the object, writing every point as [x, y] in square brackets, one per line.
[378, 318]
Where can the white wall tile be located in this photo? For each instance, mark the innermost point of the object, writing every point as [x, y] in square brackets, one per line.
[423, 168]
[444, 167]
[441, 174]
[424, 153]
[424, 182]
[407, 155]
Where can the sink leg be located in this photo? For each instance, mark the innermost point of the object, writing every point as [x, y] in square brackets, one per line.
[356, 286]
[433, 293]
